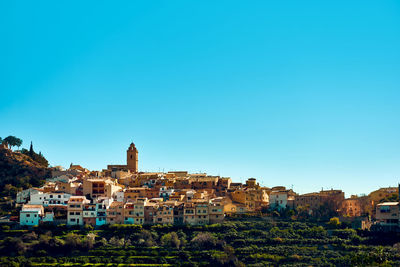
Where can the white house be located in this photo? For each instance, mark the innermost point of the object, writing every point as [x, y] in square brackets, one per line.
[46, 199]
[31, 214]
[281, 199]
[24, 195]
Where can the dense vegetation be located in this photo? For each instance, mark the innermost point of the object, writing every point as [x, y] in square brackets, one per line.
[20, 170]
[252, 242]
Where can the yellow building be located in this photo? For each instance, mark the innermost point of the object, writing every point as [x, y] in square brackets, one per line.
[196, 213]
[216, 210]
[252, 198]
[138, 210]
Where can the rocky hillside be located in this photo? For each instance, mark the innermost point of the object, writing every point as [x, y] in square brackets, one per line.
[19, 171]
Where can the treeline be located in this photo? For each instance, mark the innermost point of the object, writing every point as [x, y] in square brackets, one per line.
[232, 243]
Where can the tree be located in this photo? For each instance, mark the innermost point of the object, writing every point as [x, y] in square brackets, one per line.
[10, 190]
[204, 240]
[39, 158]
[116, 242]
[73, 240]
[89, 241]
[13, 141]
[334, 222]
[31, 152]
[170, 240]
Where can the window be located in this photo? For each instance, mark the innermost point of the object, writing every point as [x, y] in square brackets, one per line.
[385, 209]
[28, 215]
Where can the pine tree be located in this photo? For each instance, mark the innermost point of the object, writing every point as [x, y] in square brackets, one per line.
[31, 152]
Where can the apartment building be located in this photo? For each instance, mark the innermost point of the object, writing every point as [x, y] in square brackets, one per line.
[138, 210]
[164, 214]
[129, 212]
[197, 213]
[253, 198]
[97, 187]
[189, 214]
[149, 211]
[50, 198]
[115, 213]
[75, 210]
[89, 213]
[216, 210]
[387, 214]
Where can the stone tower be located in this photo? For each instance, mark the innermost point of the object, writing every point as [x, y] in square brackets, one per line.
[132, 158]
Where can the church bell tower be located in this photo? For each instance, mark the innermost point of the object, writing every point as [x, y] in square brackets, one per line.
[132, 158]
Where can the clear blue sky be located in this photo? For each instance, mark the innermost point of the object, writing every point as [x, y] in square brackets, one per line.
[302, 93]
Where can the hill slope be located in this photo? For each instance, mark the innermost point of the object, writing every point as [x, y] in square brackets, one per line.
[19, 171]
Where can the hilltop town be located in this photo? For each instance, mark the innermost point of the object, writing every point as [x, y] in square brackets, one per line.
[121, 194]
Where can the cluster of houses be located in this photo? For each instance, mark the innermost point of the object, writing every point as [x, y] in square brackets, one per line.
[121, 194]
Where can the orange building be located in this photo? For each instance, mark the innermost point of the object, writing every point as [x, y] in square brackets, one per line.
[207, 182]
[164, 214]
[115, 213]
[351, 207]
[150, 209]
[252, 198]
